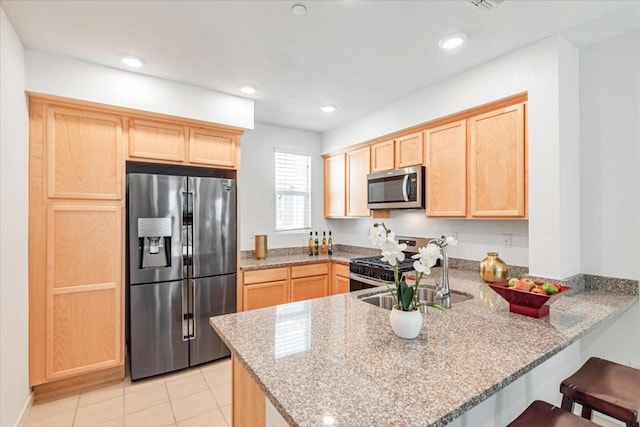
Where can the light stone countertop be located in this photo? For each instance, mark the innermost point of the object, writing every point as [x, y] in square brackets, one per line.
[337, 356]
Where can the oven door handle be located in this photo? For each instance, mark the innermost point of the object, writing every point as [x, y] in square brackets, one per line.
[366, 280]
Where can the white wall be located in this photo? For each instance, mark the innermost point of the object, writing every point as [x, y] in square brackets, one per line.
[14, 191]
[257, 184]
[610, 157]
[539, 69]
[58, 75]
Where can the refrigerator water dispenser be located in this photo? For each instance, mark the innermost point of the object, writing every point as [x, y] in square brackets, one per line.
[154, 242]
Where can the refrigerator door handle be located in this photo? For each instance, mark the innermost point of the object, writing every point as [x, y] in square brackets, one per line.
[186, 313]
[192, 336]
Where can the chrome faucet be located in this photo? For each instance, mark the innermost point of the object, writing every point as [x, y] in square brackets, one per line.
[443, 294]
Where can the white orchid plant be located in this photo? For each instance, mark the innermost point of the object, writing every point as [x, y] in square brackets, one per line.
[405, 295]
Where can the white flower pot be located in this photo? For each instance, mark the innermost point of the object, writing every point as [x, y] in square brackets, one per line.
[405, 324]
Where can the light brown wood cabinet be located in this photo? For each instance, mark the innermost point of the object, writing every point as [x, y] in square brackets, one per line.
[212, 147]
[77, 154]
[264, 288]
[151, 140]
[76, 242]
[497, 164]
[272, 286]
[409, 150]
[160, 141]
[309, 281]
[339, 278]
[334, 186]
[446, 179]
[402, 152]
[358, 163]
[476, 168]
[383, 156]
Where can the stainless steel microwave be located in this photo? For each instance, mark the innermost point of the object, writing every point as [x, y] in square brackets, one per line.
[396, 189]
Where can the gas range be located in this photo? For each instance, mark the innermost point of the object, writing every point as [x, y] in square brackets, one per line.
[371, 271]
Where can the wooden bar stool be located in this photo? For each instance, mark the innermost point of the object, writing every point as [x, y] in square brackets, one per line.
[606, 387]
[541, 413]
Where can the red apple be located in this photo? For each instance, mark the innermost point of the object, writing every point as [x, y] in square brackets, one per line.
[524, 285]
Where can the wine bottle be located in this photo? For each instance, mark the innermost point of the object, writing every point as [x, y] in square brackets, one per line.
[316, 246]
[330, 245]
[310, 243]
[324, 243]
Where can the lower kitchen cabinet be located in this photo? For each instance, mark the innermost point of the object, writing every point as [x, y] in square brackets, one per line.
[339, 278]
[264, 288]
[309, 281]
[272, 286]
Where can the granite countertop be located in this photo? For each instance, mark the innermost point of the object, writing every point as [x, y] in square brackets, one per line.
[337, 356]
[294, 259]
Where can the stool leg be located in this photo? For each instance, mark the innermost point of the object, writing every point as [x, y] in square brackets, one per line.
[586, 411]
[567, 403]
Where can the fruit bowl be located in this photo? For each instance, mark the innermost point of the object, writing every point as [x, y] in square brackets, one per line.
[524, 302]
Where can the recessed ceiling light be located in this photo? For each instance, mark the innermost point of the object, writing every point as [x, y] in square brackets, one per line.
[329, 108]
[453, 41]
[248, 89]
[299, 9]
[132, 60]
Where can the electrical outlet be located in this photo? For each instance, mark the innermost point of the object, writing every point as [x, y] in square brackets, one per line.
[252, 233]
[506, 240]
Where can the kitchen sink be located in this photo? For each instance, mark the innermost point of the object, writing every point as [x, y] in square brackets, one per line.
[428, 294]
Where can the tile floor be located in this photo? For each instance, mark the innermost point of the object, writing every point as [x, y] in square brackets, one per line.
[199, 396]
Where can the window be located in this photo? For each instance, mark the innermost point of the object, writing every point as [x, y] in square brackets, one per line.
[293, 191]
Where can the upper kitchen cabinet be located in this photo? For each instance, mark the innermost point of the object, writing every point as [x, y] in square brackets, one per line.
[83, 154]
[358, 162]
[497, 163]
[177, 143]
[213, 147]
[446, 177]
[334, 186]
[409, 150]
[476, 168]
[156, 141]
[383, 156]
[402, 152]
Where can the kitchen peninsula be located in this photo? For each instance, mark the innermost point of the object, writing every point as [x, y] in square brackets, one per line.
[335, 360]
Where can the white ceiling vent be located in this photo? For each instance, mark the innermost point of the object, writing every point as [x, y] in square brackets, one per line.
[485, 5]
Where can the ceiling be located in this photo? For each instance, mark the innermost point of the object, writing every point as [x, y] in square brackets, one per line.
[358, 55]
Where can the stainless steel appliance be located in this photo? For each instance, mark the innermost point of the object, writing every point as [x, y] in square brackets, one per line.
[369, 272]
[396, 189]
[182, 269]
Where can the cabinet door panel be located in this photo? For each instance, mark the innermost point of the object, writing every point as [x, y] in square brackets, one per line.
[309, 287]
[334, 186]
[84, 331]
[265, 294]
[340, 285]
[497, 163]
[383, 156]
[156, 141]
[84, 157]
[446, 159]
[358, 164]
[210, 147]
[409, 150]
[84, 288]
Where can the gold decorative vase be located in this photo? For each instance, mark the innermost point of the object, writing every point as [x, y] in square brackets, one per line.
[493, 269]
[261, 246]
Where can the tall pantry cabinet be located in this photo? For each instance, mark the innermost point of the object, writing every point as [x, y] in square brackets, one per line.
[76, 211]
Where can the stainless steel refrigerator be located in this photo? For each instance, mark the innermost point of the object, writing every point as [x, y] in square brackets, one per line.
[182, 269]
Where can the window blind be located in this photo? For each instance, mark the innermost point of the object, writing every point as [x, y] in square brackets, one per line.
[293, 191]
